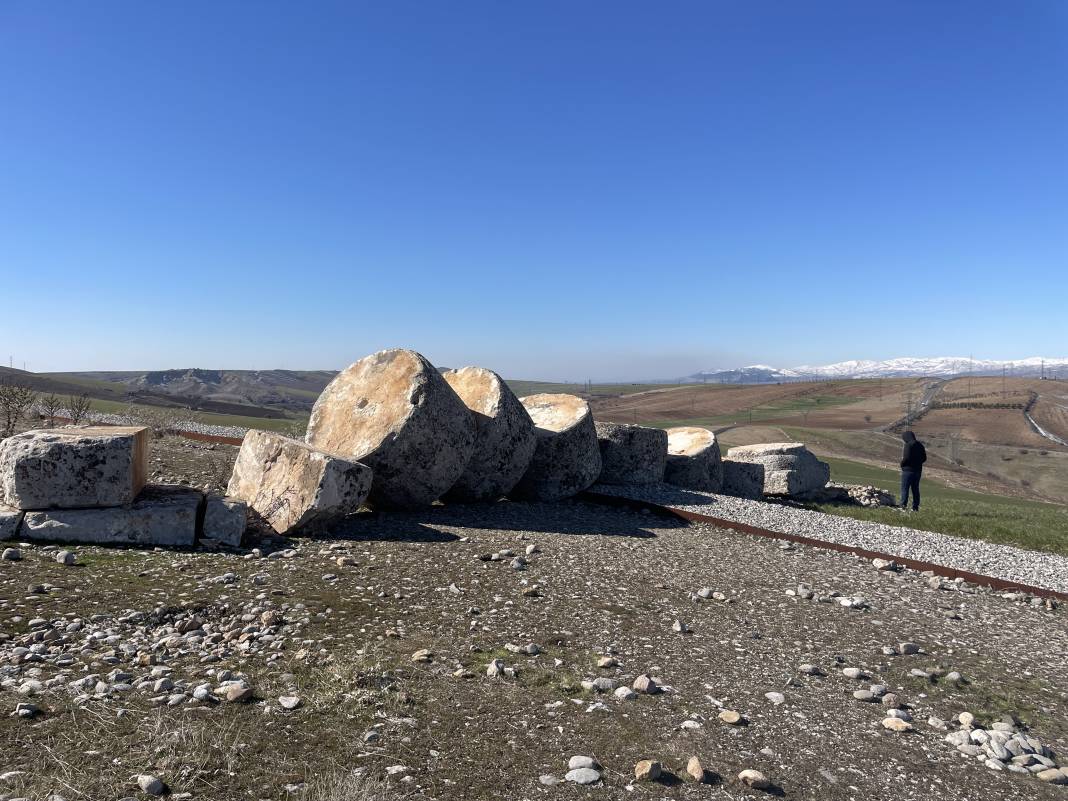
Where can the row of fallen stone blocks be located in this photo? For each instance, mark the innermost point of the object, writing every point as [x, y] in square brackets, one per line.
[393, 431]
[90, 485]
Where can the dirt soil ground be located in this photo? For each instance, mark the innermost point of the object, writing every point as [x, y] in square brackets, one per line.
[334, 622]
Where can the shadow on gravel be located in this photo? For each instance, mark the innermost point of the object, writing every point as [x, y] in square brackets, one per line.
[423, 525]
[399, 528]
[666, 494]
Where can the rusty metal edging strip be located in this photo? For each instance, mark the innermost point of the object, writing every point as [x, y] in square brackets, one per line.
[914, 564]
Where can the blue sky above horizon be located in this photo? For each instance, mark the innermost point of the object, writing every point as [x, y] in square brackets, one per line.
[605, 190]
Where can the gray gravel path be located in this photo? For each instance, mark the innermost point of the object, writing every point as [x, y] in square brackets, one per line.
[1035, 568]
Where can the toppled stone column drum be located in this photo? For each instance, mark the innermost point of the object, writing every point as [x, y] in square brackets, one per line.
[693, 459]
[743, 479]
[292, 485]
[567, 458]
[394, 412]
[504, 436]
[70, 468]
[631, 454]
[789, 467]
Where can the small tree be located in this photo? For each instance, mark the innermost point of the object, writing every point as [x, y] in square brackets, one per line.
[50, 407]
[78, 408]
[15, 401]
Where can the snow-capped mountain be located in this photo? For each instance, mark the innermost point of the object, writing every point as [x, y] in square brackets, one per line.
[940, 367]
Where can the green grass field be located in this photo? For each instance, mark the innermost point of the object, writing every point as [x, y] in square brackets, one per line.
[994, 518]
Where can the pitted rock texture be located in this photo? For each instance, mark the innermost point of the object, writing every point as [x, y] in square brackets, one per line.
[224, 520]
[567, 457]
[394, 412]
[789, 467]
[504, 436]
[69, 468]
[631, 454]
[693, 459]
[743, 479]
[292, 485]
[161, 515]
[9, 522]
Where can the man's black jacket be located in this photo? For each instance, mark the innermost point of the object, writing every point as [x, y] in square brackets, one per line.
[914, 454]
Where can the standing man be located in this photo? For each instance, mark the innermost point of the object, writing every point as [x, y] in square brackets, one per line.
[912, 460]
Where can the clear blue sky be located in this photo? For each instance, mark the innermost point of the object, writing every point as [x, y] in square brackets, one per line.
[558, 190]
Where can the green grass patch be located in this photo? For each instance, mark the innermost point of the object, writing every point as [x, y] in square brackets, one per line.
[995, 518]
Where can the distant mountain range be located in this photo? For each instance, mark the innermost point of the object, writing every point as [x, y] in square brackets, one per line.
[906, 367]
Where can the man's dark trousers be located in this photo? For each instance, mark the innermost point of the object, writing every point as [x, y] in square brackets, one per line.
[910, 480]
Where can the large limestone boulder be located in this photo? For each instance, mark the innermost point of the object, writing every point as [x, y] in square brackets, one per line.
[293, 485]
[161, 515]
[743, 479]
[631, 454]
[789, 467]
[9, 522]
[67, 468]
[567, 457]
[504, 436]
[394, 412]
[693, 459]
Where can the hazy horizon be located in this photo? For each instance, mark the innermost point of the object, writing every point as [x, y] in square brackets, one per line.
[552, 377]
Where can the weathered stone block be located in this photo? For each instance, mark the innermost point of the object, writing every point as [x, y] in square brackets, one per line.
[743, 479]
[161, 515]
[567, 458]
[631, 454]
[68, 468]
[224, 520]
[789, 467]
[293, 485]
[693, 459]
[9, 522]
[395, 413]
[504, 436]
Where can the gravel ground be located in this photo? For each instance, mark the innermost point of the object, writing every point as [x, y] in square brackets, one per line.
[1000, 561]
[311, 669]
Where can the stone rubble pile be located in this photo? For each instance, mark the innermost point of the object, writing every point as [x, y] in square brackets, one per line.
[853, 495]
[1004, 747]
[89, 485]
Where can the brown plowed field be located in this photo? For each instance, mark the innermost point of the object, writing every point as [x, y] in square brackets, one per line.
[989, 426]
[834, 404]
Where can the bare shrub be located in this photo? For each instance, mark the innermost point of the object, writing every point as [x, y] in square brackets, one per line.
[50, 406]
[15, 401]
[295, 429]
[163, 420]
[78, 408]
